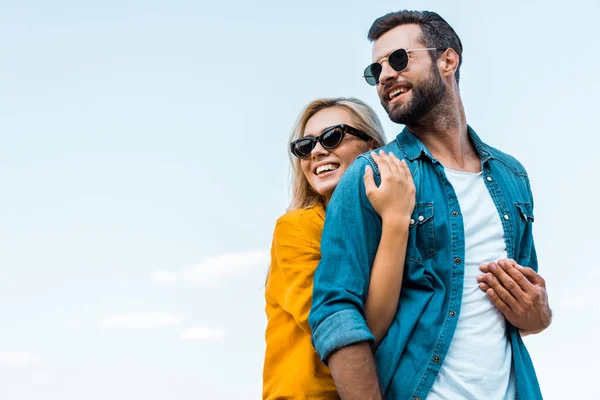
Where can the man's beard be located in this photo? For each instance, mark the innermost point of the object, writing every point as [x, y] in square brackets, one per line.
[426, 95]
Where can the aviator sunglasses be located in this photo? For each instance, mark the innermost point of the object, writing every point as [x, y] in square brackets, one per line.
[330, 138]
[398, 60]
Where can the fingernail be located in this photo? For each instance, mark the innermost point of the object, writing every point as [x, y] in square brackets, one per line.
[492, 267]
[488, 277]
[490, 292]
[501, 263]
[367, 168]
[482, 285]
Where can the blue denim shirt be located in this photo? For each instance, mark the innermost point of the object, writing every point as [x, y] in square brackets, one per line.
[410, 356]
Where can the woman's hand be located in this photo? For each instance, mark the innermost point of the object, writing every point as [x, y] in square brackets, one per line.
[394, 199]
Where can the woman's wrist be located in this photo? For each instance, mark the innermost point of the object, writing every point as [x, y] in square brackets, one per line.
[396, 221]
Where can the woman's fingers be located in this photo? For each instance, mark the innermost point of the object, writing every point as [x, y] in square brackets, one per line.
[402, 167]
[370, 185]
[395, 162]
[383, 164]
[392, 168]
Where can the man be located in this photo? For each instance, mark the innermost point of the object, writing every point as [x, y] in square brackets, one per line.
[470, 288]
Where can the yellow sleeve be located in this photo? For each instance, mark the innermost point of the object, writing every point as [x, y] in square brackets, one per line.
[295, 254]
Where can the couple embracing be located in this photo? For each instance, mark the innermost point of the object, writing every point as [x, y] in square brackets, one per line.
[404, 270]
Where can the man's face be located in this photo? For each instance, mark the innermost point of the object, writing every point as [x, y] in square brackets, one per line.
[409, 95]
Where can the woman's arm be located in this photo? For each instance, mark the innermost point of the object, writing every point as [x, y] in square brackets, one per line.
[295, 254]
[394, 201]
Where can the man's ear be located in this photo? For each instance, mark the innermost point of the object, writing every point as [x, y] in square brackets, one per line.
[448, 62]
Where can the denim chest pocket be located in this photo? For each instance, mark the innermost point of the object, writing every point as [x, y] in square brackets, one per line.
[525, 211]
[421, 239]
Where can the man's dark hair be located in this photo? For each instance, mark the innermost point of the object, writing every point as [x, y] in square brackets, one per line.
[436, 31]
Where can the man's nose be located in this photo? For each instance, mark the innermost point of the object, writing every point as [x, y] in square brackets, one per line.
[387, 73]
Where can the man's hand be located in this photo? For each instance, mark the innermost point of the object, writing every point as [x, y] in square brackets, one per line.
[519, 293]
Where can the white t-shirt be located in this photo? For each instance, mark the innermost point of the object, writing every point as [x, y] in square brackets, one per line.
[479, 361]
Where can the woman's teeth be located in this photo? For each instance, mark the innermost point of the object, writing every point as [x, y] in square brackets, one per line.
[325, 168]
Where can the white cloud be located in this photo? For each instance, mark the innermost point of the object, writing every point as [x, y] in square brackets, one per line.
[19, 358]
[202, 334]
[140, 320]
[211, 269]
[163, 277]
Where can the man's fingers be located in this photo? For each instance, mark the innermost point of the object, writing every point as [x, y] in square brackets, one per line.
[529, 273]
[532, 276]
[498, 302]
[506, 280]
[516, 275]
[499, 290]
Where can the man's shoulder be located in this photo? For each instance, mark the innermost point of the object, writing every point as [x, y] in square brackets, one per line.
[391, 147]
[509, 161]
[366, 159]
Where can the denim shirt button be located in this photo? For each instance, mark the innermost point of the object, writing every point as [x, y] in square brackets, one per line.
[454, 213]
[416, 398]
[506, 217]
[489, 178]
[412, 221]
[457, 260]
[452, 313]
[421, 218]
[436, 358]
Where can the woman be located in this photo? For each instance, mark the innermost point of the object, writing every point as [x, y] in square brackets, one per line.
[328, 136]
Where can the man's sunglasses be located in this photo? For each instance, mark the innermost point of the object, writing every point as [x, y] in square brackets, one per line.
[330, 138]
[398, 60]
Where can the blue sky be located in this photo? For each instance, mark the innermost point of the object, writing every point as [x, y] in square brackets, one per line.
[143, 164]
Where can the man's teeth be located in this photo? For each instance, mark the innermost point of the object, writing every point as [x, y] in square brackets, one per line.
[398, 92]
[325, 168]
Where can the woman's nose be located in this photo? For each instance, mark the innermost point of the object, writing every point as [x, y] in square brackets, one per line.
[319, 150]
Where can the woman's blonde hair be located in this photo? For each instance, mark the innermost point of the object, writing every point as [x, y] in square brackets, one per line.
[363, 118]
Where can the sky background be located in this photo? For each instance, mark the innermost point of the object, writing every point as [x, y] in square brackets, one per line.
[143, 163]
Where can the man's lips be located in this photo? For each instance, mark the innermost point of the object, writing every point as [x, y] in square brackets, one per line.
[396, 93]
[399, 97]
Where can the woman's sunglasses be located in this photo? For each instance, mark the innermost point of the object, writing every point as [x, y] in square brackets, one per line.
[398, 60]
[330, 138]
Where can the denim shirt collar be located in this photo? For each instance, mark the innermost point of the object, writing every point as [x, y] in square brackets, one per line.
[412, 147]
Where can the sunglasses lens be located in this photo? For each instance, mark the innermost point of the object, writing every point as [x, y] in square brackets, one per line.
[332, 137]
[372, 73]
[301, 148]
[398, 60]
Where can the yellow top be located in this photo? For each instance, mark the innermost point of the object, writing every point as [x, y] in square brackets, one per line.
[292, 368]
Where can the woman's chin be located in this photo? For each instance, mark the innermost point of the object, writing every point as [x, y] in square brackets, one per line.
[326, 189]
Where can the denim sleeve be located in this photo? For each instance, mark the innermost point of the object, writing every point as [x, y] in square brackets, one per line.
[533, 261]
[348, 246]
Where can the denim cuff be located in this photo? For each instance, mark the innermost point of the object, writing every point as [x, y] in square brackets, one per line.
[339, 330]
